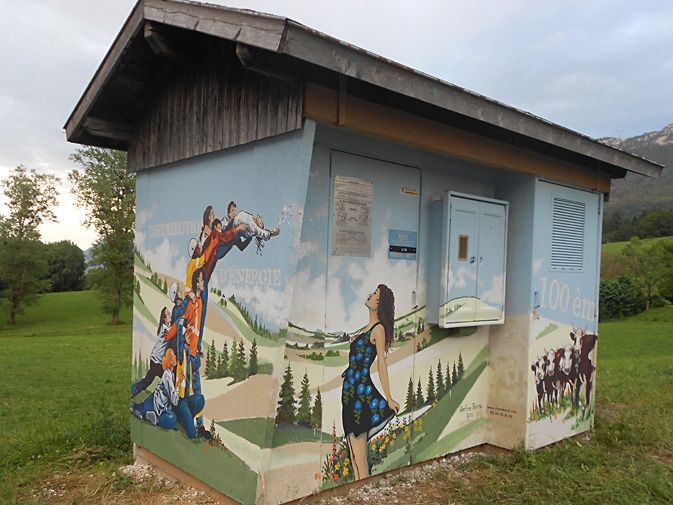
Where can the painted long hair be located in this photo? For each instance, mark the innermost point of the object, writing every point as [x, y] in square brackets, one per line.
[386, 312]
[162, 315]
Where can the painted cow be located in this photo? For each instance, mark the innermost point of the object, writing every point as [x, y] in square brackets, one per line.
[538, 368]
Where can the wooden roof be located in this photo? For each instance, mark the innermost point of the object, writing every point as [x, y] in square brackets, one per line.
[158, 32]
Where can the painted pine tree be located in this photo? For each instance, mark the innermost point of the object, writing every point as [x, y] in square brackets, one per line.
[454, 374]
[223, 364]
[441, 387]
[208, 370]
[420, 400]
[285, 412]
[431, 396]
[316, 413]
[241, 372]
[304, 407]
[233, 361]
[461, 367]
[252, 365]
[409, 403]
[449, 384]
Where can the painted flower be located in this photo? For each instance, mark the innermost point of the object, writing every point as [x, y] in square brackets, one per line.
[367, 360]
[368, 350]
[368, 390]
[353, 359]
[359, 356]
[358, 405]
[374, 404]
[365, 372]
[350, 371]
[376, 418]
[346, 385]
[357, 376]
[360, 342]
[361, 389]
[383, 404]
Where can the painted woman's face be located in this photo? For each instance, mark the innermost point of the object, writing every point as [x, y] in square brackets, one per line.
[211, 217]
[373, 300]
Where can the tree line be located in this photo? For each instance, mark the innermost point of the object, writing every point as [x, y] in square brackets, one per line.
[302, 411]
[234, 365]
[105, 188]
[439, 383]
[638, 278]
[648, 224]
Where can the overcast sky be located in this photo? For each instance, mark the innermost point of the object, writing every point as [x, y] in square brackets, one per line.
[603, 68]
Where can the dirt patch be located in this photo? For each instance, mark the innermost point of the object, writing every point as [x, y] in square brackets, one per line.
[422, 484]
[128, 485]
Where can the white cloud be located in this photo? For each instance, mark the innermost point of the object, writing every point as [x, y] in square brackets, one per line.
[537, 265]
[494, 295]
[308, 301]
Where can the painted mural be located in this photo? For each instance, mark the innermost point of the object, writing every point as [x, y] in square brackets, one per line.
[368, 386]
[564, 323]
[213, 279]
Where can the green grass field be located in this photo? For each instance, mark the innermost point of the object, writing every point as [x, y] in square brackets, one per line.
[616, 247]
[64, 397]
[64, 407]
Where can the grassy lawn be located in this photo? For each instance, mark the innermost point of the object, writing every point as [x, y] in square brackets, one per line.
[64, 408]
[616, 247]
[64, 399]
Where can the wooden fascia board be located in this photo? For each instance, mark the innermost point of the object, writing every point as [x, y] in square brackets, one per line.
[319, 49]
[263, 31]
[74, 124]
[326, 105]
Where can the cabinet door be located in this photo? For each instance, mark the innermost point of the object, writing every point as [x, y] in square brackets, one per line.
[490, 296]
[459, 304]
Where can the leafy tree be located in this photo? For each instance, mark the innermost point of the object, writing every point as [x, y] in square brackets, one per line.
[419, 395]
[66, 266]
[431, 397]
[106, 189]
[647, 265]
[316, 413]
[286, 401]
[252, 365]
[441, 388]
[304, 407]
[409, 403]
[619, 297]
[23, 266]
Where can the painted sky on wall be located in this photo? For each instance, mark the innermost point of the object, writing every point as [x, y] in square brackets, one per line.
[602, 68]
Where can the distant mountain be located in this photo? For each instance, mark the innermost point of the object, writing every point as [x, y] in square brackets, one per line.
[636, 193]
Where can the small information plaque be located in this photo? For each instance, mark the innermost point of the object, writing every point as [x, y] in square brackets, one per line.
[402, 245]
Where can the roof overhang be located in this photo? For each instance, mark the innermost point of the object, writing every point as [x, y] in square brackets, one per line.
[99, 119]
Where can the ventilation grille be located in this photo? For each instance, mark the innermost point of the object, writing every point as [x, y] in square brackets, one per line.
[567, 235]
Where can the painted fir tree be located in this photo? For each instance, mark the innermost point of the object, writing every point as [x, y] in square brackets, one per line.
[223, 364]
[454, 374]
[304, 407]
[233, 361]
[316, 413]
[252, 365]
[449, 384]
[431, 397]
[208, 371]
[461, 368]
[441, 387]
[285, 412]
[419, 395]
[241, 372]
[409, 403]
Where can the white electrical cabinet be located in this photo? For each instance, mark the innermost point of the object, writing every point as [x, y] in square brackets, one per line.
[472, 266]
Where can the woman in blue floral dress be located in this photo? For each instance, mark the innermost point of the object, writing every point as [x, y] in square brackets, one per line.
[365, 411]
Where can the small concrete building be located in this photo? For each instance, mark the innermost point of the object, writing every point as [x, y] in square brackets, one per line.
[343, 266]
